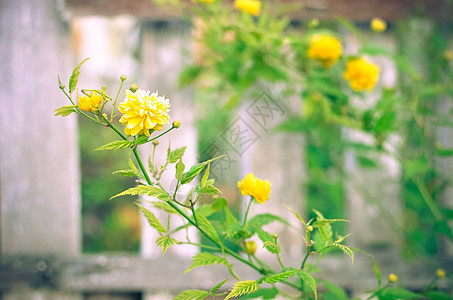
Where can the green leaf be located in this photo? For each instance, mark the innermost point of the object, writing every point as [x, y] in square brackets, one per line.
[141, 139]
[444, 152]
[438, 295]
[272, 247]
[65, 110]
[75, 76]
[210, 190]
[218, 286]
[192, 295]
[310, 281]
[152, 219]
[280, 276]
[142, 190]
[162, 205]
[189, 75]
[206, 259]
[242, 288]
[179, 170]
[205, 176]
[324, 228]
[377, 273]
[323, 222]
[116, 145]
[195, 170]
[175, 155]
[346, 250]
[398, 293]
[336, 291]
[296, 214]
[265, 294]
[204, 223]
[165, 242]
[127, 173]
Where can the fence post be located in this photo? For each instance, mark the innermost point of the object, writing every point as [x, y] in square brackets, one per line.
[38, 152]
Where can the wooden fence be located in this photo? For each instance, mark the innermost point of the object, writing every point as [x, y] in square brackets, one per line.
[40, 200]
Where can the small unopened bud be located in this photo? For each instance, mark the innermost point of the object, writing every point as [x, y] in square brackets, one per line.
[275, 235]
[123, 77]
[176, 124]
[310, 228]
[440, 273]
[313, 23]
[133, 88]
[62, 86]
[311, 243]
[393, 278]
[155, 142]
[250, 246]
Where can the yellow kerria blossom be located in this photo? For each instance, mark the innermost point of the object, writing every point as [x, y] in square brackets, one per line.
[378, 25]
[361, 73]
[252, 7]
[325, 48]
[258, 189]
[144, 112]
[90, 103]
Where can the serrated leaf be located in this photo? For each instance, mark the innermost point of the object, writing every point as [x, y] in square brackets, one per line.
[377, 273]
[175, 155]
[65, 110]
[195, 170]
[205, 176]
[75, 76]
[242, 288]
[398, 293]
[165, 242]
[204, 223]
[192, 295]
[296, 214]
[141, 139]
[310, 281]
[116, 145]
[179, 170]
[218, 286]
[346, 250]
[272, 247]
[163, 206]
[280, 276]
[210, 190]
[152, 219]
[142, 190]
[320, 223]
[127, 173]
[206, 259]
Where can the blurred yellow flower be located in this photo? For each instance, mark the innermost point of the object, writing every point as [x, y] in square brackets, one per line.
[144, 112]
[378, 25]
[252, 7]
[361, 73]
[440, 273]
[325, 48]
[250, 246]
[393, 278]
[258, 189]
[90, 103]
[448, 54]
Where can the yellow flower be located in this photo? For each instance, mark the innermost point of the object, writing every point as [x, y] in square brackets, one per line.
[144, 112]
[393, 278]
[325, 48]
[448, 54]
[440, 273]
[250, 246]
[258, 189]
[90, 103]
[252, 7]
[378, 25]
[361, 73]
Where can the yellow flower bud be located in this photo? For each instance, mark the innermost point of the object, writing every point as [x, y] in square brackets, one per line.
[123, 77]
[313, 23]
[310, 228]
[252, 7]
[440, 273]
[393, 278]
[133, 88]
[176, 124]
[155, 142]
[378, 25]
[251, 247]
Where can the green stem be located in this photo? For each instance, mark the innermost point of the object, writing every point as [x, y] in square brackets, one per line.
[116, 99]
[248, 209]
[429, 200]
[113, 127]
[154, 138]
[305, 259]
